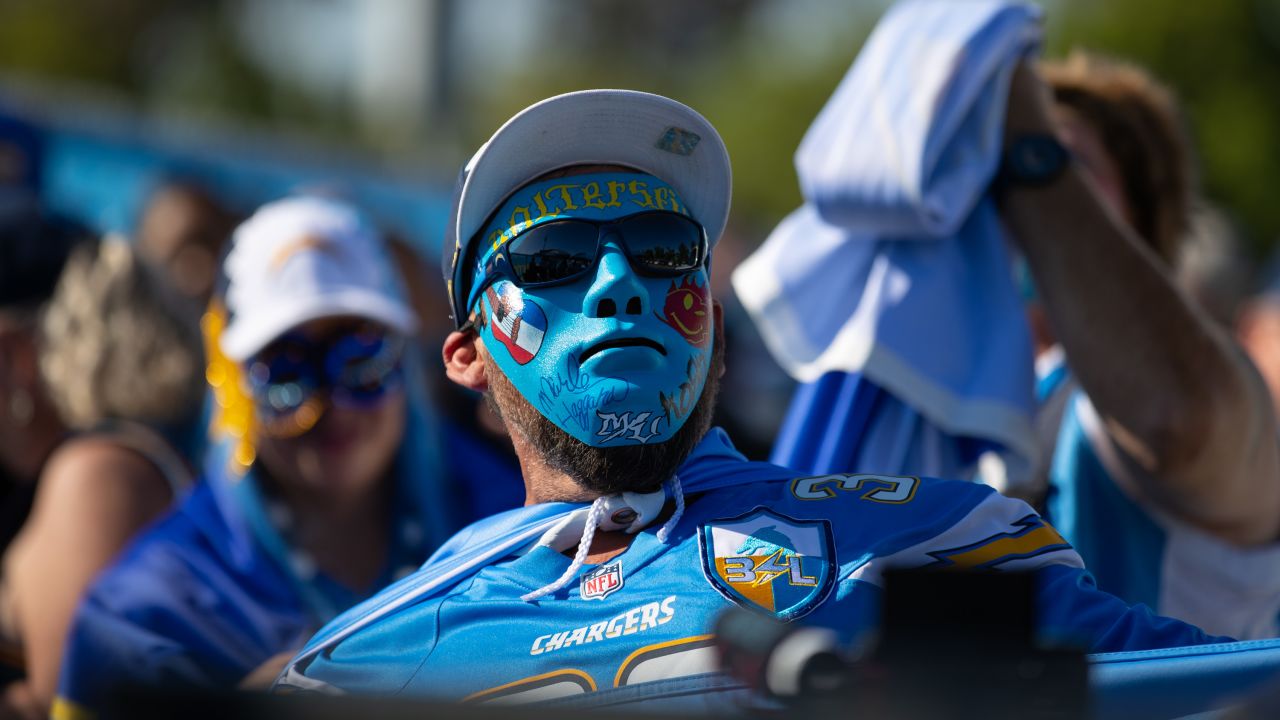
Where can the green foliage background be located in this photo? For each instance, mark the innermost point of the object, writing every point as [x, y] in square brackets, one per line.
[1222, 58]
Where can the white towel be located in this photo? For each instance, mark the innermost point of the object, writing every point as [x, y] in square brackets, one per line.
[896, 267]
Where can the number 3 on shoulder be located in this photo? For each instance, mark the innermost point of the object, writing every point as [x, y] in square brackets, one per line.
[888, 489]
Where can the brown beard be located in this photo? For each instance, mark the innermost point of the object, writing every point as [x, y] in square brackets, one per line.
[607, 471]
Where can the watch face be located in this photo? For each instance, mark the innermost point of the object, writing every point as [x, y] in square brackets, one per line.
[1036, 159]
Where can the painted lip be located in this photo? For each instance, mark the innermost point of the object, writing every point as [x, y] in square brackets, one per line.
[621, 343]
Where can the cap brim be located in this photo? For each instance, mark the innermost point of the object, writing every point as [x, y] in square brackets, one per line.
[622, 127]
[246, 336]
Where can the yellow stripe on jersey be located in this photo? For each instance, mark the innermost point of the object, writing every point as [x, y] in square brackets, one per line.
[577, 677]
[663, 648]
[1034, 537]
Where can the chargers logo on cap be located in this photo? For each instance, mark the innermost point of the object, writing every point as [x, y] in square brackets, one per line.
[679, 141]
[294, 247]
[518, 323]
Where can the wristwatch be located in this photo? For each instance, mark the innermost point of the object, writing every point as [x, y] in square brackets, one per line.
[1032, 161]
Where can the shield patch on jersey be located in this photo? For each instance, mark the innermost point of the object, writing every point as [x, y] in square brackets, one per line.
[767, 561]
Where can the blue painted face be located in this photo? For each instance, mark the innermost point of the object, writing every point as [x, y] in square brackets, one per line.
[610, 336]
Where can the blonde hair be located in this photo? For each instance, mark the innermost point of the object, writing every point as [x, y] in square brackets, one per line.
[117, 343]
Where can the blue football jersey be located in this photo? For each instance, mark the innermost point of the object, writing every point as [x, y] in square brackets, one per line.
[1146, 556]
[811, 549]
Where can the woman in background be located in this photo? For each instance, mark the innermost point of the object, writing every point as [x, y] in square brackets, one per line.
[113, 399]
[323, 483]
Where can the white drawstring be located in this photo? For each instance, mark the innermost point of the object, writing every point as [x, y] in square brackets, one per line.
[580, 557]
[592, 522]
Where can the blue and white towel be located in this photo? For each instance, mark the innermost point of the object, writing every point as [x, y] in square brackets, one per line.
[892, 287]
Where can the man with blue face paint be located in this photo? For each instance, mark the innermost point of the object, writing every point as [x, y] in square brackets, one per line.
[580, 239]
[590, 294]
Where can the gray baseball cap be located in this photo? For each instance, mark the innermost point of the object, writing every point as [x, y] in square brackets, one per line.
[648, 132]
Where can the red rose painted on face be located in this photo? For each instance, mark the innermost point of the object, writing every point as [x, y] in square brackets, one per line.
[688, 310]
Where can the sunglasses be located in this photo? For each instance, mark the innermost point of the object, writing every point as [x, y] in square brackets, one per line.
[356, 369]
[657, 244]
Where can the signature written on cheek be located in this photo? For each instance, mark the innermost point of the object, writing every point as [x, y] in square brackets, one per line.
[564, 383]
[571, 397]
[582, 411]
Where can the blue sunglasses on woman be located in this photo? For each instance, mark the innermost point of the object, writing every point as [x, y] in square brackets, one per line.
[291, 379]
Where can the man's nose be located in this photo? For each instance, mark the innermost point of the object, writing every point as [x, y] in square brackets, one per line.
[616, 289]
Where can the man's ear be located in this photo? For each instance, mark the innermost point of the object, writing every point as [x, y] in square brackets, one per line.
[463, 361]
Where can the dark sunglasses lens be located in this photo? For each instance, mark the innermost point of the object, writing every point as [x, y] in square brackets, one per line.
[663, 244]
[553, 252]
[362, 367]
[282, 380]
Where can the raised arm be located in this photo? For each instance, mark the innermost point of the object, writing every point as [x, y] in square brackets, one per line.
[1177, 397]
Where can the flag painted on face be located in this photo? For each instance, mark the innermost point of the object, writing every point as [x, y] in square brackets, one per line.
[518, 323]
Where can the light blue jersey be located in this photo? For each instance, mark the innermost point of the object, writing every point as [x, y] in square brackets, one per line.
[1145, 556]
[752, 534]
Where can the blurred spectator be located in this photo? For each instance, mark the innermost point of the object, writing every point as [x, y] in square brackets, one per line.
[183, 230]
[473, 433]
[326, 481]
[1124, 131]
[1212, 265]
[1258, 328]
[21, 145]
[1214, 270]
[755, 390]
[33, 250]
[1165, 471]
[422, 289]
[117, 363]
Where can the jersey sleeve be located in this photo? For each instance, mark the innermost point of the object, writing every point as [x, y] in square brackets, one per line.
[167, 615]
[106, 653]
[1004, 534]
[1074, 612]
[998, 533]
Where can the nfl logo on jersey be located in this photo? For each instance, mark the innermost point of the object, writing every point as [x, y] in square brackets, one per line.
[602, 582]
